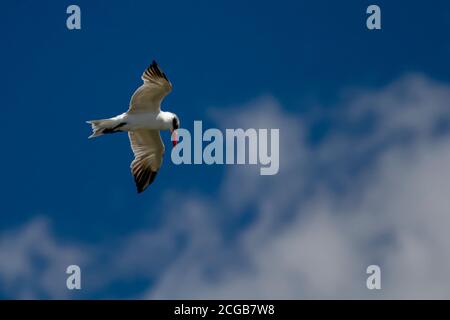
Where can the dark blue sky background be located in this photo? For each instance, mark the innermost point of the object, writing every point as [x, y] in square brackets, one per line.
[216, 54]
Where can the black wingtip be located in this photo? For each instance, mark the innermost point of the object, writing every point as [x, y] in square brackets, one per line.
[140, 188]
[152, 177]
[141, 185]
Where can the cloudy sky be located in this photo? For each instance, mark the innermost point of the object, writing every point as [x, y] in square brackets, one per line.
[364, 119]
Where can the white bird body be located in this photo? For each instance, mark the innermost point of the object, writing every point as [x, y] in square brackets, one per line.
[143, 121]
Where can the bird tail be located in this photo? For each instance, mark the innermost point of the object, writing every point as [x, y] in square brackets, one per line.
[100, 127]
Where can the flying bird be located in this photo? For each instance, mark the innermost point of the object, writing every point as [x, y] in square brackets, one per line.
[143, 122]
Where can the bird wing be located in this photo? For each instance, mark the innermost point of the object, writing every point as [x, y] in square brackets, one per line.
[148, 150]
[148, 97]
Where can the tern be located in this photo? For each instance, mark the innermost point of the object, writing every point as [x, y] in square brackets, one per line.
[143, 122]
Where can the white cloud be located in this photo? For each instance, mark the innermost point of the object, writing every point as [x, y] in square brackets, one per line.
[33, 262]
[377, 197]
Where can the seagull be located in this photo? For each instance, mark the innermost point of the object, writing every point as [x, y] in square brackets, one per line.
[143, 122]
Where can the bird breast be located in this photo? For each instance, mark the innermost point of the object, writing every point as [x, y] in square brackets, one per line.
[144, 120]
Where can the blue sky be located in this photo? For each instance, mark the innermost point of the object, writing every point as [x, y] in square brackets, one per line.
[304, 59]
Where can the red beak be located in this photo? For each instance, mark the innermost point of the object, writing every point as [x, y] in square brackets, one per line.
[174, 138]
